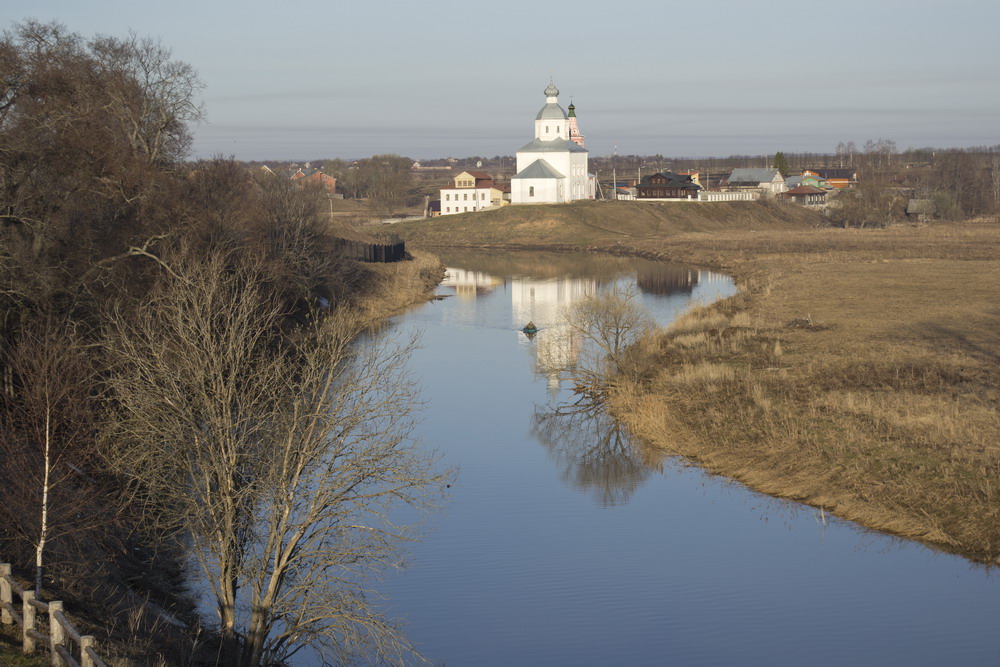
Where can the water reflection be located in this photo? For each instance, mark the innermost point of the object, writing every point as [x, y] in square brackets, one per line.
[470, 284]
[595, 453]
[544, 286]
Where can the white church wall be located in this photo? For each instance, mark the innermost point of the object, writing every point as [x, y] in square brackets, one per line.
[549, 130]
[536, 191]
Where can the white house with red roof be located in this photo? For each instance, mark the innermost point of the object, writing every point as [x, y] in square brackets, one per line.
[470, 191]
[552, 167]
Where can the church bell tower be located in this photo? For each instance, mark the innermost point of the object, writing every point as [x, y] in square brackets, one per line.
[574, 129]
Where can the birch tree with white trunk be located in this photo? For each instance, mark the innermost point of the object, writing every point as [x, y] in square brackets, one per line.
[46, 440]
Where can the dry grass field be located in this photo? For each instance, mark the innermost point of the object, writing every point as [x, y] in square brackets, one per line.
[599, 223]
[856, 370]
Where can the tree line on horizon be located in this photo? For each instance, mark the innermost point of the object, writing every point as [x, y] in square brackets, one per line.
[963, 182]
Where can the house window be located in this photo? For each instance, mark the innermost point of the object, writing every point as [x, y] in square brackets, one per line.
[465, 196]
[447, 197]
[448, 210]
[531, 191]
[466, 209]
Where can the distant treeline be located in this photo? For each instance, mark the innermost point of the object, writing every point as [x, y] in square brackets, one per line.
[966, 180]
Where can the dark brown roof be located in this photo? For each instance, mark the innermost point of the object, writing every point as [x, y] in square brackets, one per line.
[834, 173]
[672, 180]
[805, 190]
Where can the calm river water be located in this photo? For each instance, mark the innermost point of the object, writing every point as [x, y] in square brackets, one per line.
[565, 544]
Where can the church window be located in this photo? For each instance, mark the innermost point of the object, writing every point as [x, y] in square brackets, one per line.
[531, 191]
[546, 129]
[557, 129]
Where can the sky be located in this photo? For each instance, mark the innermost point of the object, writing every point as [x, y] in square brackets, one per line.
[437, 78]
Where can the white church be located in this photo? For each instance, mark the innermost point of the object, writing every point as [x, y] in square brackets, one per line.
[552, 167]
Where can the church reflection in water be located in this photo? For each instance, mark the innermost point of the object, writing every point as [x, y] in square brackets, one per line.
[470, 284]
[545, 302]
[593, 451]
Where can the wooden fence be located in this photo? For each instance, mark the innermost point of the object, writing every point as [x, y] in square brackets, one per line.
[61, 637]
[392, 250]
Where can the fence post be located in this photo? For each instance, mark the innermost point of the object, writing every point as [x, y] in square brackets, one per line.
[28, 614]
[86, 642]
[57, 633]
[6, 595]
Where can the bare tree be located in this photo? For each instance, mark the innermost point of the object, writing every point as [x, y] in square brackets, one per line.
[47, 444]
[278, 449]
[156, 99]
[594, 450]
[90, 131]
[868, 205]
[609, 322]
[595, 453]
[386, 180]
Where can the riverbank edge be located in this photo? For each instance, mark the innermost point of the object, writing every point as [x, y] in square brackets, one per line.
[395, 287]
[401, 285]
[784, 472]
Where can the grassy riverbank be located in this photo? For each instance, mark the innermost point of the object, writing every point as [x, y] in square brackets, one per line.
[856, 370]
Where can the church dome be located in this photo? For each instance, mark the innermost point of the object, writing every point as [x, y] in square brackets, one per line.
[551, 111]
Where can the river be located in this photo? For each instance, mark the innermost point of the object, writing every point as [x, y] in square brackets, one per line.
[565, 543]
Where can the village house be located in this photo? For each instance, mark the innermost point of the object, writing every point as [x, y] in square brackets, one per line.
[768, 182]
[920, 210]
[315, 177]
[806, 195]
[695, 177]
[667, 185]
[470, 191]
[837, 179]
[806, 178]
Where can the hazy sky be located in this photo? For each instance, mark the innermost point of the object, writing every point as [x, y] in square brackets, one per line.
[429, 79]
